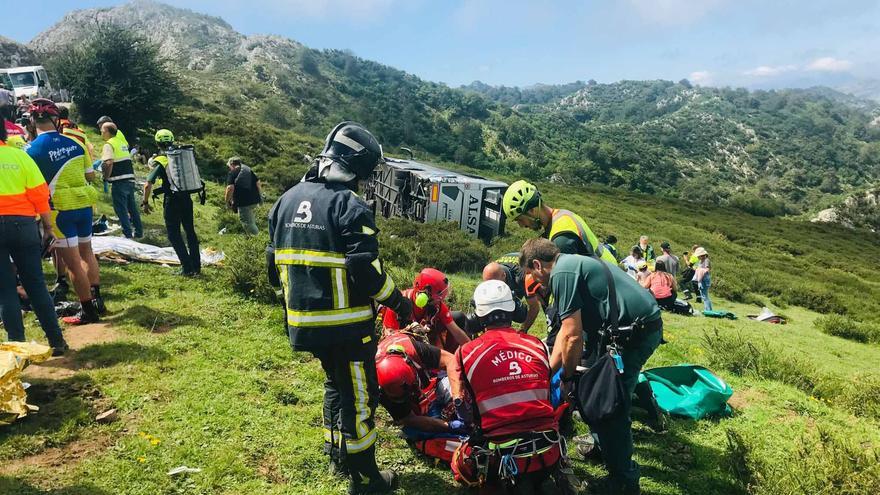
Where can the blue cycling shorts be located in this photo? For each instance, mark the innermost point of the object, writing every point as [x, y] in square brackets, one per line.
[72, 227]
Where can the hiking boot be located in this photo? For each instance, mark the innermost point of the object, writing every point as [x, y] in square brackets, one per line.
[656, 418]
[59, 292]
[88, 314]
[586, 447]
[383, 483]
[60, 349]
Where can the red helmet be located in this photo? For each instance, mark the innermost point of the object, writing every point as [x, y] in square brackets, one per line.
[433, 282]
[42, 108]
[397, 379]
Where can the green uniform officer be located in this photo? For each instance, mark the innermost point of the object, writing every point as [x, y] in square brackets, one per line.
[580, 288]
[522, 203]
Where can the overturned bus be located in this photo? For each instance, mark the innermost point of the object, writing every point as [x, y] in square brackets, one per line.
[425, 193]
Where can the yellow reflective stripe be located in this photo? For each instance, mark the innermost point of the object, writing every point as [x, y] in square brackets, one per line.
[309, 257]
[339, 283]
[361, 444]
[386, 290]
[359, 386]
[329, 317]
[328, 435]
[285, 281]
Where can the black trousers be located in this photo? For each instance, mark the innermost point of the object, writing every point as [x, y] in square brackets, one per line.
[351, 394]
[178, 212]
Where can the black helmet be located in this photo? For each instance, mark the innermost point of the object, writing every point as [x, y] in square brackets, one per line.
[350, 152]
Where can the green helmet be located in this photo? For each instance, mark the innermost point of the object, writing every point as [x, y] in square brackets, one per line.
[519, 198]
[164, 136]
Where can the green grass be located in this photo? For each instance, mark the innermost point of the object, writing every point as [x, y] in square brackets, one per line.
[220, 390]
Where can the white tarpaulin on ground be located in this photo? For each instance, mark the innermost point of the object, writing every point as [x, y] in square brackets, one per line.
[120, 247]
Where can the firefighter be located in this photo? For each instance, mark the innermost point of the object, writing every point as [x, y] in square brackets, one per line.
[584, 292]
[516, 441]
[428, 295]
[323, 253]
[417, 386]
[522, 202]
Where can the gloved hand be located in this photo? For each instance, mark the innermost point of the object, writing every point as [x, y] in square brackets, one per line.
[404, 309]
[457, 427]
[463, 411]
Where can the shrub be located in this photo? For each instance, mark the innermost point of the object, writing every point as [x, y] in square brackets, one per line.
[246, 268]
[736, 353]
[847, 328]
[860, 394]
[413, 246]
[818, 463]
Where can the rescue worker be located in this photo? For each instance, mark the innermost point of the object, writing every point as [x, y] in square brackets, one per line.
[507, 270]
[428, 295]
[119, 172]
[177, 208]
[647, 248]
[65, 168]
[16, 136]
[418, 386]
[611, 245]
[515, 443]
[323, 253]
[522, 202]
[581, 289]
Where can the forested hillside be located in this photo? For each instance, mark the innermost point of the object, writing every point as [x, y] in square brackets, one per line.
[272, 99]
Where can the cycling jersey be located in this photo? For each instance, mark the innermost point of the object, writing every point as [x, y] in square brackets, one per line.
[64, 165]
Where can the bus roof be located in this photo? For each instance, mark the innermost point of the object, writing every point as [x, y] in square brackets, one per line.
[428, 171]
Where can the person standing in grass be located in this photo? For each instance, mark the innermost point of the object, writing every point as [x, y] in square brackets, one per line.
[669, 260]
[581, 286]
[702, 276]
[647, 248]
[119, 172]
[243, 193]
[24, 195]
[324, 254]
[177, 209]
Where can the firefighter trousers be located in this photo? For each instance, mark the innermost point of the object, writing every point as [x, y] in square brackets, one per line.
[351, 394]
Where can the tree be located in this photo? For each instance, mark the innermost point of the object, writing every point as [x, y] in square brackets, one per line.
[118, 72]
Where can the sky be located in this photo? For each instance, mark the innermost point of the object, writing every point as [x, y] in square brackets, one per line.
[750, 43]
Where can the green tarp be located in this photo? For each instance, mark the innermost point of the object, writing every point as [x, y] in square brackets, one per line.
[688, 390]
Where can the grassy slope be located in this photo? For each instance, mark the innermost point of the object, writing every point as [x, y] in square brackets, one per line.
[220, 390]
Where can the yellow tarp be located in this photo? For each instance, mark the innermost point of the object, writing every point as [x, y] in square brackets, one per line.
[14, 356]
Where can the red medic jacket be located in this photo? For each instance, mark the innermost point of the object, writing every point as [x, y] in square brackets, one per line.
[510, 374]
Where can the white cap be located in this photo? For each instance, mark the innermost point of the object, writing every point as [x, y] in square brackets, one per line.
[493, 295]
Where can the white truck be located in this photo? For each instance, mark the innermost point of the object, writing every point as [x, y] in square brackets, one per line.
[31, 81]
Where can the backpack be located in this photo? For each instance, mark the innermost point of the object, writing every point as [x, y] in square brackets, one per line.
[182, 170]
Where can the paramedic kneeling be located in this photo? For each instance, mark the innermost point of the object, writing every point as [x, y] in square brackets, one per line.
[516, 442]
[417, 386]
[580, 287]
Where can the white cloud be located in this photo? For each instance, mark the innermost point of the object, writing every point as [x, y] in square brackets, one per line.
[673, 12]
[829, 64]
[701, 77]
[770, 70]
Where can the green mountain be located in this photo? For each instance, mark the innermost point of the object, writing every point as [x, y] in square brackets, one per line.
[770, 152]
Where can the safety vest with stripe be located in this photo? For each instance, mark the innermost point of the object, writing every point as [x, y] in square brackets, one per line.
[325, 250]
[509, 374]
[123, 170]
[565, 221]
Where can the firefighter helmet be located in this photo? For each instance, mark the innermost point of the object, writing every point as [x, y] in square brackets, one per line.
[164, 136]
[397, 378]
[519, 198]
[431, 282]
[350, 152]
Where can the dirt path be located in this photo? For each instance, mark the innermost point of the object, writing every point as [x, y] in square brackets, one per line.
[66, 366]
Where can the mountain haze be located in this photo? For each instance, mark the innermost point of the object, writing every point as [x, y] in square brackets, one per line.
[770, 152]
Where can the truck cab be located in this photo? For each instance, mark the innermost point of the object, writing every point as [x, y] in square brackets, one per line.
[31, 81]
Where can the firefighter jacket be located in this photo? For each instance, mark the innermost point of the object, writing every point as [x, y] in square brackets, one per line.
[508, 375]
[323, 253]
[564, 221]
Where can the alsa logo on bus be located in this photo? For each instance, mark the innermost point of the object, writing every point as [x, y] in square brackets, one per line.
[473, 214]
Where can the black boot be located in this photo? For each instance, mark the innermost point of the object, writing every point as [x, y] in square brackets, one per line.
[59, 292]
[645, 399]
[99, 300]
[363, 465]
[88, 314]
